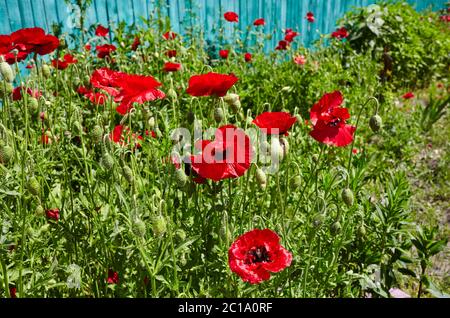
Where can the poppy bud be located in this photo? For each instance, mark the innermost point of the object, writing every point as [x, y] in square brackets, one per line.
[107, 161]
[218, 114]
[231, 99]
[39, 211]
[128, 174]
[7, 72]
[335, 227]
[296, 182]
[172, 93]
[362, 231]
[180, 235]
[97, 134]
[151, 122]
[318, 220]
[6, 154]
[347, 196]
[261, 178]
[181, 178]
[375, 123]
[315, 157]
[46, 70]
[159, 225]
[285, 145]
[6, 89]
[34, 104]
[33, 186]
[87, 79]
[176, 137]
[139, 229]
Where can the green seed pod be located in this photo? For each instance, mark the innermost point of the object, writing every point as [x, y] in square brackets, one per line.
[296, 182]
[231, 98]
[139, 228]
[39, 211]
[317, 220]
[107, 161]
[347, 196]
[128, 174]
[375, 123]
[34, 104]
[261, 178]
[362, 231]
[181, 178]
[97, 134]
[218, 114]
[6, 154]
[46, 70]
[236, 106]
[33, 186]
[7, 72]
[159, 226]
[285, 145]
[336, 227]
[151, 122]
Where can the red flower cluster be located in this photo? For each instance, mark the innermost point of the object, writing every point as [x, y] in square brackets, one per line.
[27, 41]
[329, 120]
[248, 57]
[275, 123]
[282, 45]
[231, 17]
[224, 54]
[408, 95]
[17, 93]
[121, 135]
[105, 50]
[256, 254]
[211, 84]
[290, 35]
[169, 35]
[341, 33]
[113, 277]
[126, 88]
[228, 156]
[101, 31]
[62, 65]
[259, 22]
[310, 17]
[52, 214]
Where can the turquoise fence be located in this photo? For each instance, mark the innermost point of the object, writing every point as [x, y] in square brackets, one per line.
[16, 14]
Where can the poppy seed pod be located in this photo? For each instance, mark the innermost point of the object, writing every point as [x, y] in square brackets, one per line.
[151, 122]
[6, 154]
[97, 134]
[231, 98]
[181, 177]
[375, 123]
[34, 104]
[285, 145]
[336, 227]
[347, 196]
[159, 225]
[39, 211]
[128, 174]
[296, 182]
[261, 178]
[218, 114]
[236, 106]
[107, 161]
[46, 70]
[33, 186]
[7, 72]
[139, 229]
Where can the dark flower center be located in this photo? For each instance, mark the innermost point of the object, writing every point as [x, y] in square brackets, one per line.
[334, 122]
[258, 254]
[219, 155]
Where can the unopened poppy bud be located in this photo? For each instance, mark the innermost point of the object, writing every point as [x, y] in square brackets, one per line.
[97, 134]
[107, 161]
[181, 178]
[218, 114]
[39, 211]
[347, 196]
[46, 70]
[362, 231]
[172, 93]
[7, 72]
[236, 106]
[285, 145]
[261, 178]
[151, 122]
[231, 99]
[139, 228]
[277, 150]
[5, 89]
[87, 79]
[335, 227]
[180, 235]
[34, 104]
[128, 174]
[6, 154]
[375, 123]
[317, 220]
[159, 225]
[33, 186]
[77, 128]
[296, 182]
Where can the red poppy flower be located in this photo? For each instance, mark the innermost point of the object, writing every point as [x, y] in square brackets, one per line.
[248, 57]
[96, 98]
[408, 95]
[29, 66]
[300, 60]
[310, 17]
[211, 84]
[137, 89]
[170, 35]
[17, 93]
[113, 277]
[121, 135]
[224, 54]
[5, 44]
[341, 33]
[231, 16]
[329, 120]
[259, 22]
[34, 40]
[11, 58]
[172, 67]
[282, 45]
[136, 43]
[101, 31]
[62, 65]
[256, 254]
[290, 35]
[228, 156]
[52, 214]
[12, 292]
[105, 50]
[107, 80]
[171, 53]
[275, 123]
[88, 47]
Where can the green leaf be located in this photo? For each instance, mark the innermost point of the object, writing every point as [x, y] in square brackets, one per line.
[406, 271]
